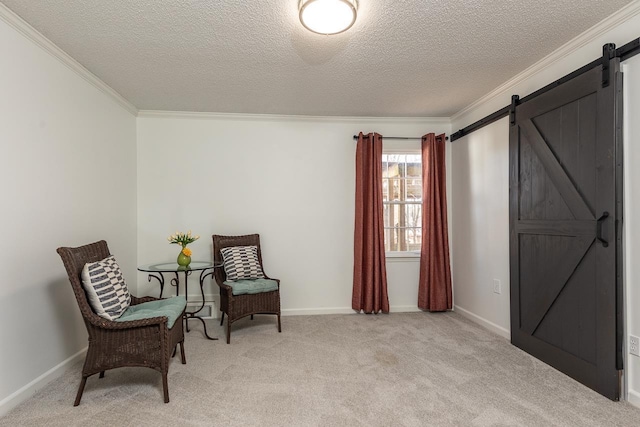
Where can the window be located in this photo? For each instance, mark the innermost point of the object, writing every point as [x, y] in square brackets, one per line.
[402, 202]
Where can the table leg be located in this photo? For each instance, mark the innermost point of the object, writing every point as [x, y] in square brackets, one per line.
[160, 280]
[186, 297]
[194, 314]
[176, 283]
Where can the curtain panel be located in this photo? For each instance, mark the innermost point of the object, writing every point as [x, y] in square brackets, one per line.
[369, 267]
[434, 290]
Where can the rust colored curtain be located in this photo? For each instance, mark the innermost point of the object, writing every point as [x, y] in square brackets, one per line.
[369, 268]
[434, 290]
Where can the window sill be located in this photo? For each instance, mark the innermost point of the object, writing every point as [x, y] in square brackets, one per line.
[403, 256]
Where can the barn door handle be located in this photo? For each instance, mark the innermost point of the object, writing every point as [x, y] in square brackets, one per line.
[604, 216]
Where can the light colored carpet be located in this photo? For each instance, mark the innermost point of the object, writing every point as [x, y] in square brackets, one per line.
[407, 369]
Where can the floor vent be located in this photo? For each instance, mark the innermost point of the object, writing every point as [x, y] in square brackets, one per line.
[207, 311]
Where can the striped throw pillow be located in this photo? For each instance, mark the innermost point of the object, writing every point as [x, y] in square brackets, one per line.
[106, 290]
[241, 262]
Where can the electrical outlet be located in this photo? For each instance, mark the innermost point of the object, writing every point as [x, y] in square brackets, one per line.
[634, 345]
[497, 287]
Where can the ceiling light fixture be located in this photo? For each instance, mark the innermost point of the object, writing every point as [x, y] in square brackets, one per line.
[328, 16]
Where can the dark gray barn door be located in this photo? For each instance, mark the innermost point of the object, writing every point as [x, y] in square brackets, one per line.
[564, 243]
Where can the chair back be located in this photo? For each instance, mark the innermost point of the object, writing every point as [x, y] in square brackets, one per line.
[74, 260]
[220, 242]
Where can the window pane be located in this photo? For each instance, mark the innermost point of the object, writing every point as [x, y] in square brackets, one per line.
[402, 167]
[395, 185]
[385, 166]
[403, 239]
[413, 215]
[385, 213]
[387, 239]
[414, 158]
[394, 242]
[413, 238]
[413, 190]
[394, 214]
[393, 169]
[414, 165]
[385, 190]
[402, 215]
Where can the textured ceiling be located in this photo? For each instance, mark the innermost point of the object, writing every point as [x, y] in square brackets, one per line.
[411, 58]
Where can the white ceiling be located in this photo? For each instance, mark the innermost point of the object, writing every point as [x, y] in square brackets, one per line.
[411, 58]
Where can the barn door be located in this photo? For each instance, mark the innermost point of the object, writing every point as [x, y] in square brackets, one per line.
[565, 212]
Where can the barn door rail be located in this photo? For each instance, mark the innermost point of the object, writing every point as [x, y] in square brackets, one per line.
[609, 52]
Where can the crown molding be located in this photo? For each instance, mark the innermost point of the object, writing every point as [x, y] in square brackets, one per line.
[283, 117]
[617, 18]
[24, 28]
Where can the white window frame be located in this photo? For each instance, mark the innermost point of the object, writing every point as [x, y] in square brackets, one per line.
[399, 151]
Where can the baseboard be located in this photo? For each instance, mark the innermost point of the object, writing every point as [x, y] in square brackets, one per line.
[342, 310]
[483, 322]
[24, 393]
[633, 397]
[404, 309]
[314, 311]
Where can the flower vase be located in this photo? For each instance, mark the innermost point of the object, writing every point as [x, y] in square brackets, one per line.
[183, 260]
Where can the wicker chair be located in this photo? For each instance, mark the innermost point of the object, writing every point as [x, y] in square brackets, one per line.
[146, 342]
[238, 306]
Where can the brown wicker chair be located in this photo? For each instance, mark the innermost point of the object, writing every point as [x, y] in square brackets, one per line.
[238, 306]
[145, 342]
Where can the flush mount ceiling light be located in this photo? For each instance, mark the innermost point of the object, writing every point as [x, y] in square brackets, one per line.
[328, 16]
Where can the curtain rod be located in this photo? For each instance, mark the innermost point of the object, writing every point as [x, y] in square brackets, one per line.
[400, 137]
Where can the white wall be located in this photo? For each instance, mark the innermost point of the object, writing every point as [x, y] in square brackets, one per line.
[68, 173]
[291, 179]
[480, 225]
[480, 183]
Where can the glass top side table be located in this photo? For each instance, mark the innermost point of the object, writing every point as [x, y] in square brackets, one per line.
[158, 270]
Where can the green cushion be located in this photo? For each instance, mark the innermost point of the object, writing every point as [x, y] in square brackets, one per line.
[252, 286]
[170, 307]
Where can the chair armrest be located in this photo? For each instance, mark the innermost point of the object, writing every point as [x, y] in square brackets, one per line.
[140, 300]
[112, 325]
[227, 288]
[153, 321]
[101, 322]
[271, 278]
